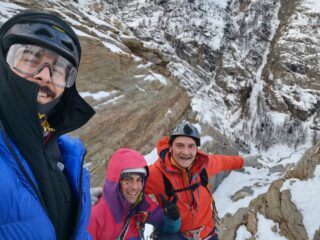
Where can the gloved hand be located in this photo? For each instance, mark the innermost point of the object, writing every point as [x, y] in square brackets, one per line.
[95, 193]
[170, 208]
[252, 161]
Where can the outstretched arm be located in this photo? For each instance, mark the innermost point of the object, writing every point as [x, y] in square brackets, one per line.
[218, 163]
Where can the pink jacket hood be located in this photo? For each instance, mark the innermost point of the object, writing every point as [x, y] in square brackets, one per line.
[122, 159]
[112, 212]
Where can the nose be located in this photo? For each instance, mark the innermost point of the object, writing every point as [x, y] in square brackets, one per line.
[185, 150]
[135, 184]
[44, 75]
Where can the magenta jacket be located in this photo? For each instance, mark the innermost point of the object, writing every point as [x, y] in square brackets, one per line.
[113, 218]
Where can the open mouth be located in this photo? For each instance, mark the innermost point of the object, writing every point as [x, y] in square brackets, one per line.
[185, 158]
[45, 92]
[132, 194]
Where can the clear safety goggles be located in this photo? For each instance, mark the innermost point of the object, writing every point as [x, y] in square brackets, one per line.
[31, 60]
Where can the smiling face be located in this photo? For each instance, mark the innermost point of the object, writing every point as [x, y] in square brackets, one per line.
[47, 91]
[51, 71]
[184, 150]
[131, 187]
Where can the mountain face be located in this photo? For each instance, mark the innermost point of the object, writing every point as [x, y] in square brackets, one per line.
[246, 70]
[255, 65]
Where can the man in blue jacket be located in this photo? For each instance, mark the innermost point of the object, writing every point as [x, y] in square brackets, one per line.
[44, 189]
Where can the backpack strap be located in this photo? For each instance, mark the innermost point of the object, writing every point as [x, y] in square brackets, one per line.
[124, 230]
[170, 191]
[163, 153]
[167, 186]
[205, 180]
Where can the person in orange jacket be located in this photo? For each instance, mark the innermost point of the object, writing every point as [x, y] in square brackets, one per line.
[182, 171]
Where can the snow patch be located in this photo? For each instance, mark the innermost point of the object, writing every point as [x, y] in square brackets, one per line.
[242, 233]
[151, 157]
[155, 77]
[98, 95]
[264, 230]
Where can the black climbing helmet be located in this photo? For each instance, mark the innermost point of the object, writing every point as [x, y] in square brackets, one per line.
[185, 128]
[43, 29]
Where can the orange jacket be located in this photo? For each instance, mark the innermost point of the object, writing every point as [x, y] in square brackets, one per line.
[196, 210]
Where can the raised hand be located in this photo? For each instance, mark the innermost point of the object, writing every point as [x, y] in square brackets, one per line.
[170, 208]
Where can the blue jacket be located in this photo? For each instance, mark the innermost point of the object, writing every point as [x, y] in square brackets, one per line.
[21, 213]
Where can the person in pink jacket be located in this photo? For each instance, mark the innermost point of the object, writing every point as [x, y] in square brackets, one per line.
[123, 209]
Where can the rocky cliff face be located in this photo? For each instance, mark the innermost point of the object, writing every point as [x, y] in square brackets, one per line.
[246, 63]
[247, 71]
[276, 204]
[145, 97]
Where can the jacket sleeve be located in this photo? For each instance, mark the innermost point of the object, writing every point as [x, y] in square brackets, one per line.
[218, 163]
[73, 152]
[21, 214]
[170, 225]
[25, 230]
[97, 222]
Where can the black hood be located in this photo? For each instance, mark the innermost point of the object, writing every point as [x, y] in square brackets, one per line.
[18, 109]
[18, 104]
[19, 115]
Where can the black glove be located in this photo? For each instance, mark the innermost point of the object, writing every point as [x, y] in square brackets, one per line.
[170, 208]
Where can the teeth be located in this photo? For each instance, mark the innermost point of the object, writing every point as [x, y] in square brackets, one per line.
[42, 94]
[132, 193]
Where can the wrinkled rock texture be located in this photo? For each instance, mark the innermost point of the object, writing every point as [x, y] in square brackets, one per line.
[249, 69]
[144, 110]
[255, 70]
[136, 125]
